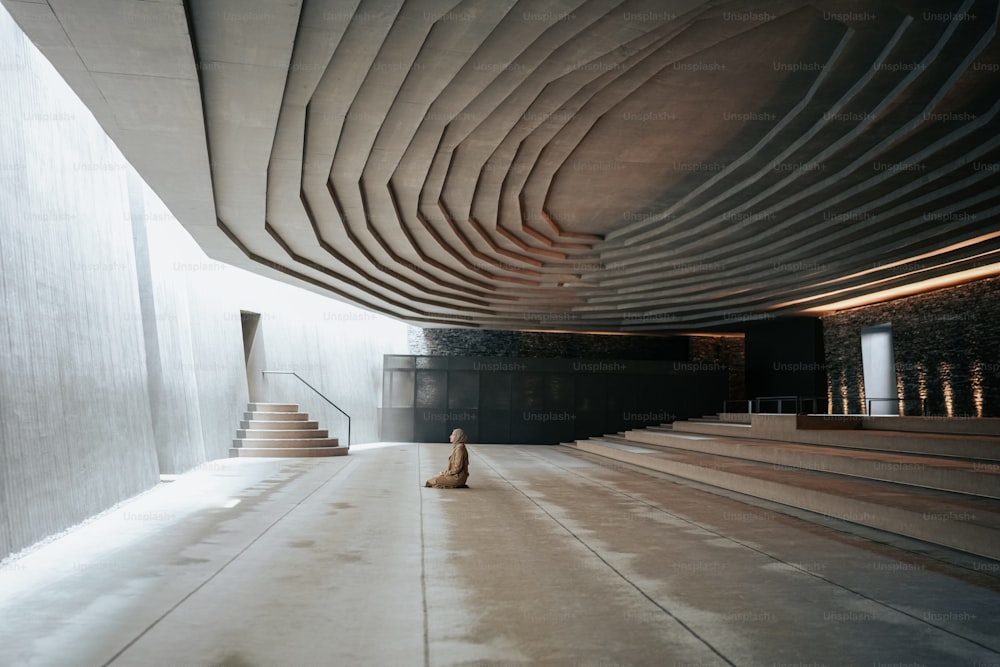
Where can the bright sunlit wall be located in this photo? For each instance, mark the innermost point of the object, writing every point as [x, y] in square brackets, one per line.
[121, 350]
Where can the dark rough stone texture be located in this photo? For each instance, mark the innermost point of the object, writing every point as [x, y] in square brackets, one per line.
[533, 344]
[725, 350]
[946, 344]
[730, 351]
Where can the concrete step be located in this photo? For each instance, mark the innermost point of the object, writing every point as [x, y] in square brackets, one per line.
[982, 447]
[279, 452]
[281, 430]
[931, 444]
[254, 433]
[710, 428]
[953, 426]
[276, 416]
[963, 522]
[272, 407]
[847, 432]
[260, 424]
[285, 443]
[974, 477]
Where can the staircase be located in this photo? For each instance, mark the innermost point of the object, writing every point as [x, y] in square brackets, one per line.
[280, 430]
[930, 481]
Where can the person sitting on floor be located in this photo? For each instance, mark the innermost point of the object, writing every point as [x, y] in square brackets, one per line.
[458, 465]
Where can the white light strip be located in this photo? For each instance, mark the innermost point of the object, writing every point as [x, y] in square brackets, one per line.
[908, 290]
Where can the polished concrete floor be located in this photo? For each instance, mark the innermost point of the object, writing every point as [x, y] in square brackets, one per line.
[552, 557]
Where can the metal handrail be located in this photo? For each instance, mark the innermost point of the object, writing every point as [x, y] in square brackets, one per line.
[779, 399]
[753, 405]
[337, 407]
[815, 402]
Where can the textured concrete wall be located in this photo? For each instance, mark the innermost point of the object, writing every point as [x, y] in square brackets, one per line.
[947, 349]
[121, 346]
[195, 330]
[194, 348]
[336, 348]
[202, 387]
[75, 427]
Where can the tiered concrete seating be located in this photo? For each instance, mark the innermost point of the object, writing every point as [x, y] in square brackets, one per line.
[281, 430]
[880, 434]
[938, 487]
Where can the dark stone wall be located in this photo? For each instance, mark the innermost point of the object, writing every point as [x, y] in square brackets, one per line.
[710, 352]
[730, 352]
[540, 345]
[946, 346]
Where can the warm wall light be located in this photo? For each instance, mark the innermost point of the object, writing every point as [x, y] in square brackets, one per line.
[922, 383]
[907, 290]
[944, 369]
[917, 259]
[901, 393]
[977, 386]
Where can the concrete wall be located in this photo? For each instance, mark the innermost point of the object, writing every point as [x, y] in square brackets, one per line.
[198, 333]
[121, 345]
[333, 346]
[75, 427]
[194, 329]
[194, 344]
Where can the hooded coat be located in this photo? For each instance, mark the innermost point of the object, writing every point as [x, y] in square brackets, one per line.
[458, 465]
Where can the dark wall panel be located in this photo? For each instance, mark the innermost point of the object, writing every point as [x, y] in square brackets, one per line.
[432, 389]
[494, 391]
[494, 426]
[433, 425]
[535, 401]
[397, 389]
[463, 390]
[527, 392]
[784, 357]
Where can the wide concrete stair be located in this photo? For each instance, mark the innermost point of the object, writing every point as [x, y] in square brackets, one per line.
[940, 485]
[281, 430]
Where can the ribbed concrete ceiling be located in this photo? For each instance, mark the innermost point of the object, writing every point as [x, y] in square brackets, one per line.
[600, 166]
